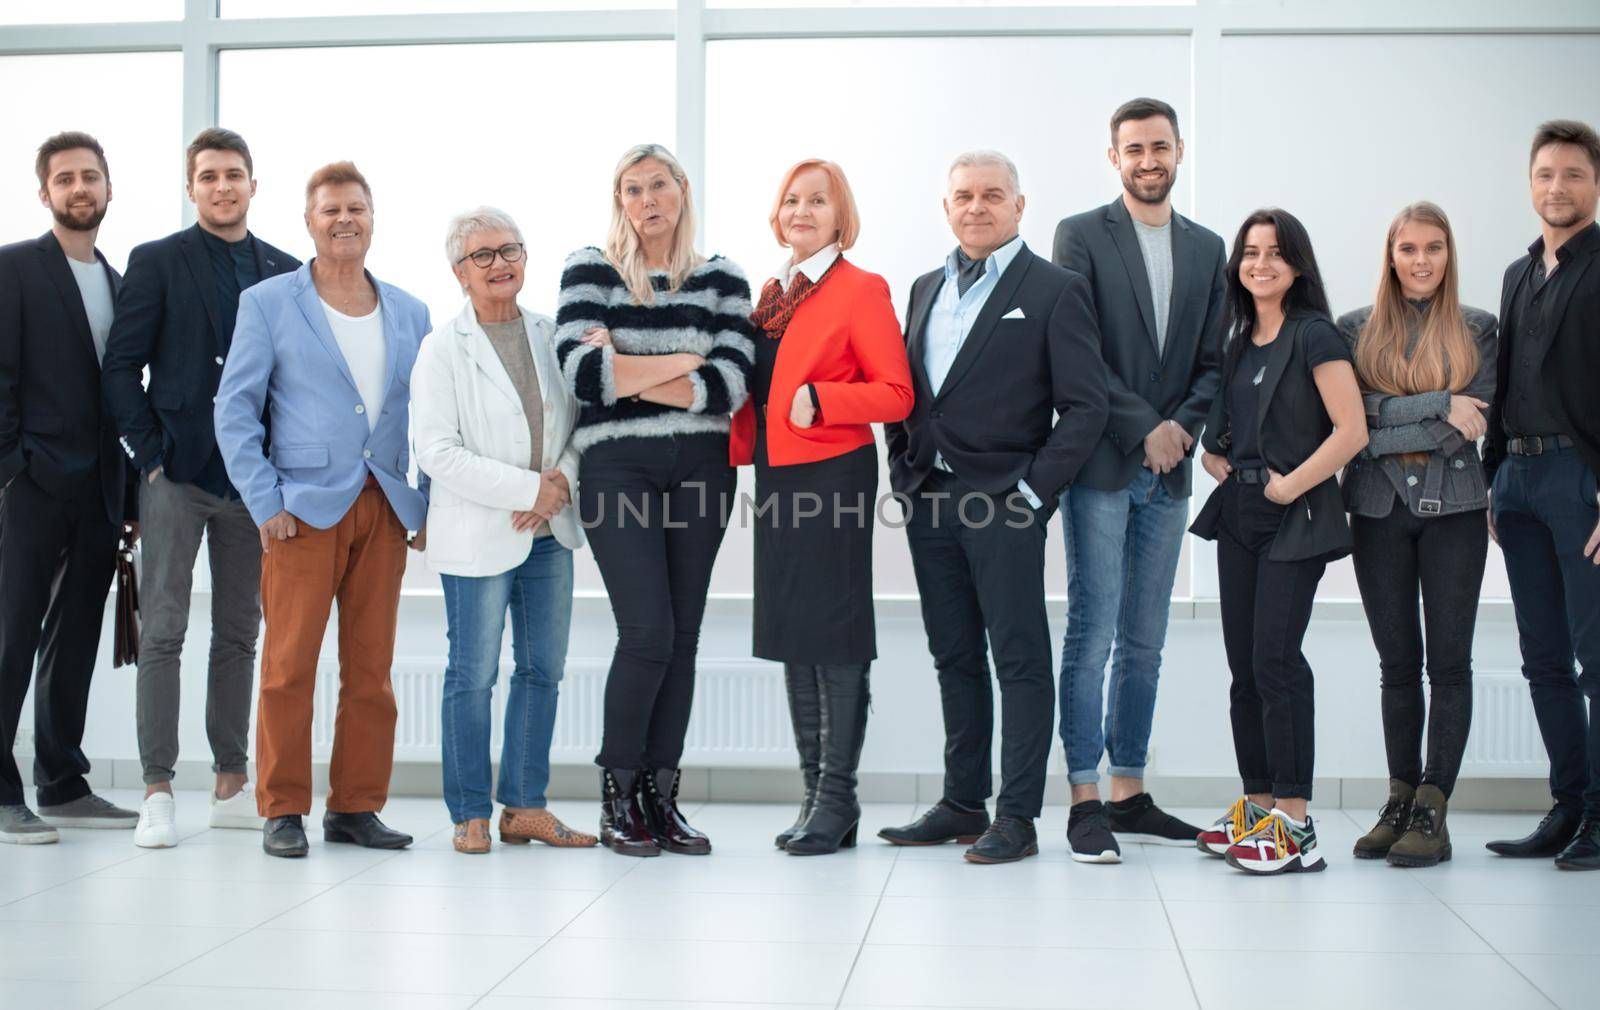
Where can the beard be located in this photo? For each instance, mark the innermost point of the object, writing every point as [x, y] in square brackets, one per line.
[1144, 194]
[1561, 217]
[67, 219]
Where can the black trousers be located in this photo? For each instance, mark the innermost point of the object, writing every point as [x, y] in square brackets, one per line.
[981, 578]
[1544, 513]
[1266, 608]
[56, 562]
[656, 511]
[1442, 558]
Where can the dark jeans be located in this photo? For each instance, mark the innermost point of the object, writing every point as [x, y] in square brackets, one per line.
[654, 509]
[1266, 607]
[986, 578]
[1544, 512]
[56, 561]
[1397, 557]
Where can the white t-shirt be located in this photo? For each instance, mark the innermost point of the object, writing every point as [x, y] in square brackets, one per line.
[94, 287]
[360, 340]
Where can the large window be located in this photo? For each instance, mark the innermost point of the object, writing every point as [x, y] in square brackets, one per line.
[54, 12]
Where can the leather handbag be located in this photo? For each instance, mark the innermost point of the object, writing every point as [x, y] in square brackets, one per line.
[125, 649]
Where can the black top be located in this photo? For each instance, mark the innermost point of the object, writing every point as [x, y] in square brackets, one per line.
[761, 376]
[233, 268]
[1532, 329]
[1322, 345]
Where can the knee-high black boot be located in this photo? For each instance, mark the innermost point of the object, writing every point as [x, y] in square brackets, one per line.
[805, 712]
[845, 694]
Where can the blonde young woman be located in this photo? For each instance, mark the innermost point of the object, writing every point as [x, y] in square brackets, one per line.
[654, 341]
[1416, 497]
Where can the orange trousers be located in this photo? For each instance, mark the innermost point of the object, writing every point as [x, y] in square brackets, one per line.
[357, 563]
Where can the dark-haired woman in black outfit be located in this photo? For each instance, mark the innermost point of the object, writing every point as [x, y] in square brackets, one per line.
[1289, 418]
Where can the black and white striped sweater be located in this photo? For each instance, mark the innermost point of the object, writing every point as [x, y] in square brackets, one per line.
[708, 315]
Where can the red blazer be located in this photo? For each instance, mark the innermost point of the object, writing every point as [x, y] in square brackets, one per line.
[845, 340]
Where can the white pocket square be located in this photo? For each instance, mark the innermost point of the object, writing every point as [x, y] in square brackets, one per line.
[1015, 313]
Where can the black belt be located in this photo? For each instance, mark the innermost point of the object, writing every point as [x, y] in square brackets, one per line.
[1537, 445]
[1253, 475]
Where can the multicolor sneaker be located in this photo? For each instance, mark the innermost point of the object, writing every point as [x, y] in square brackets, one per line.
[1230, 827]
[1277, 845]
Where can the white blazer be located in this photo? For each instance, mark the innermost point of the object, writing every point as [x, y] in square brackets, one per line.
[470, 436]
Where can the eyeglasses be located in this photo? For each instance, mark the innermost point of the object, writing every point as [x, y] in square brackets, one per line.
[510, 252]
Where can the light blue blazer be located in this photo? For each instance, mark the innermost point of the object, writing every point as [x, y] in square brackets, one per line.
[285, 363]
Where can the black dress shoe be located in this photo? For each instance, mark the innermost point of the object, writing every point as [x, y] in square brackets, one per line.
[1552, 835]
[284, 836]
[942, 823]
[362, 829]
[1584, 851]
[1007, 840]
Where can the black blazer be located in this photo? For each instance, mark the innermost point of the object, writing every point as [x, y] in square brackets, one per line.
[1025, 399]
[1573, 363]
[1291, 422]
[1148, 385]
[52, 425]
[168, 318]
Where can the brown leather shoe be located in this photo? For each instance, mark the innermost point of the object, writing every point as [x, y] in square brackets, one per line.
[472, 837]
[541, 826]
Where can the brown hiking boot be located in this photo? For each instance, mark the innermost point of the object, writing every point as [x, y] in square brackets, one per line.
[472, 837]
[541, 826]
[1392, 822]
[1427, 839]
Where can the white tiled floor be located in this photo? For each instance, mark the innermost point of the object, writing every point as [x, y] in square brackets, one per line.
[94, 922]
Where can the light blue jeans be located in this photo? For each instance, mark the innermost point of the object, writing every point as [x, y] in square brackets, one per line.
[538, 596]
[1122, 558]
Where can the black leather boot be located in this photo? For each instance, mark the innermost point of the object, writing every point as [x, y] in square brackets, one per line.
[622, 823]
[834, 818]
[667, 824]
[805, 712]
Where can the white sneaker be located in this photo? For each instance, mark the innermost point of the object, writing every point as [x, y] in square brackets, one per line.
[237, 811]
[158, 827]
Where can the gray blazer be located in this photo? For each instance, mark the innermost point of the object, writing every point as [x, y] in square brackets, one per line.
[1148, 385]
[1453, 480]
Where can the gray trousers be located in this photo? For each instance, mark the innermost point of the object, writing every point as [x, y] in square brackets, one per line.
[172, 518]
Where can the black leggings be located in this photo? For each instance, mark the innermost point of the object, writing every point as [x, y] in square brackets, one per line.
[1266, 608]
[655, 512]
[1397, 557]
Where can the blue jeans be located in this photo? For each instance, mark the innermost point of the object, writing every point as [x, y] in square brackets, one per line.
[1544, 512]
[1122, 558]
[538, 595]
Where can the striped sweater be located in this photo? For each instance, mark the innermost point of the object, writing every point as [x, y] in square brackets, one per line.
[708, 315]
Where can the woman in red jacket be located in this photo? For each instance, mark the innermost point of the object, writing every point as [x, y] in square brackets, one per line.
[830, 361]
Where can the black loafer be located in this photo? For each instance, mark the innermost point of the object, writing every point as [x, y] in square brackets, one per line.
[284, 837]
[1553, 834]
[942, 823]
[363, 829]
[1007, 840]
[1584, 851]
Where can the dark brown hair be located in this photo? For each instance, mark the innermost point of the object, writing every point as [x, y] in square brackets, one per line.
[71, 140]
[1567, 131]
[215, 138]
[1143, 108]
[334, 174]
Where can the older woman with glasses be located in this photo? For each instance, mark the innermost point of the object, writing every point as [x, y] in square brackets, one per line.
[492, 426]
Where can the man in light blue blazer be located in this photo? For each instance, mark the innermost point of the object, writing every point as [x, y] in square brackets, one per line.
[321, 359]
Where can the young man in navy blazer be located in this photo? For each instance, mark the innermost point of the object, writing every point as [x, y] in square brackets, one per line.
[65, 490]
[175, 316]
[1010, 398]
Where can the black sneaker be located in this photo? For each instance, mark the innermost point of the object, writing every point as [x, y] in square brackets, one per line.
[1089, 834]
[1138, 821]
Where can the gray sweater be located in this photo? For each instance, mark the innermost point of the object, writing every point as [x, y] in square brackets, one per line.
[1452, 479]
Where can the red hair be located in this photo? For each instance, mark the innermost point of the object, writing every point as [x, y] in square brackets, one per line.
[843, 200]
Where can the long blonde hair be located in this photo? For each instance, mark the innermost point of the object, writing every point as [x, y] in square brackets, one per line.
[623, 248]
[1445, 356]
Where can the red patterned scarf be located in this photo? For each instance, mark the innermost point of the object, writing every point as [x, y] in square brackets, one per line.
[777, 306]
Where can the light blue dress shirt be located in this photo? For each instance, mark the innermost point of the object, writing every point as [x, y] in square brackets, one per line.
[951, 319]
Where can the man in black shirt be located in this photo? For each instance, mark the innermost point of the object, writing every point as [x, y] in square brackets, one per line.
[1542, 453]
[175, 314]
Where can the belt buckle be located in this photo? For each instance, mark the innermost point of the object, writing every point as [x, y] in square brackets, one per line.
[1429, 506]
[1533, 445]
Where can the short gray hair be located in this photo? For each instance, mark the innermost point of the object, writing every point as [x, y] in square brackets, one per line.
[463, 225]
[973, 159]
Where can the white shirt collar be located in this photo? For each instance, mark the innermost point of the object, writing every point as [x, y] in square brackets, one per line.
[813, 267]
